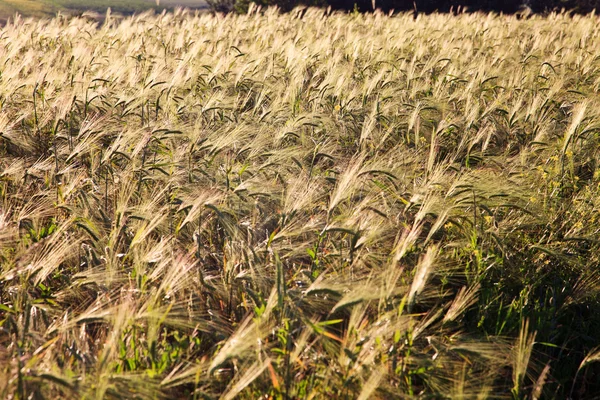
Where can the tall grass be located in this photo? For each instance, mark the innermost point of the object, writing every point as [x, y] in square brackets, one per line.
[298, 206]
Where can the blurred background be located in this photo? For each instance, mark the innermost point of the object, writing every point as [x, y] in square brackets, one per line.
[48, 8]
[45, 8]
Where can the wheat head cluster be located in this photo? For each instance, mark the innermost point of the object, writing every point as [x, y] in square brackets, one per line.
[299, 205]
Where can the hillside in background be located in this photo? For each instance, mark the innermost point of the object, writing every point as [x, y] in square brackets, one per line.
[48, 8]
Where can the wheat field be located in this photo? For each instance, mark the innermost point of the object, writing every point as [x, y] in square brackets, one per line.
[301, 205]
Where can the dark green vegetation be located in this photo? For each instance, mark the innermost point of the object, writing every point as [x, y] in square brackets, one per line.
[300, 206]
[520, 8]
